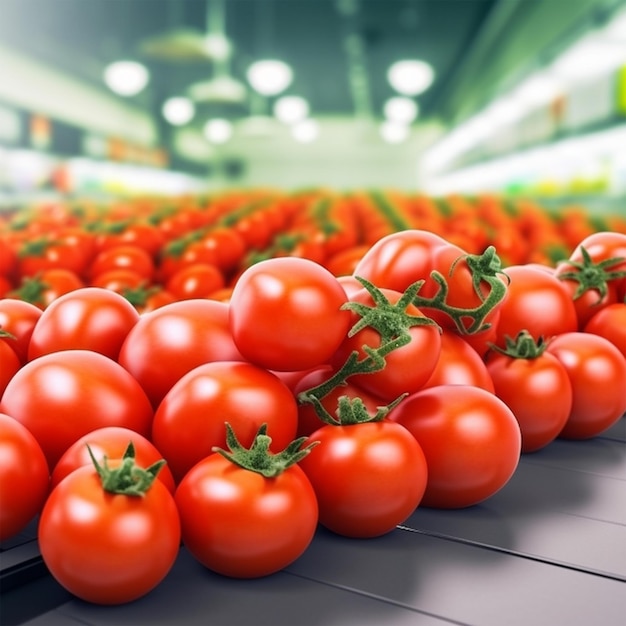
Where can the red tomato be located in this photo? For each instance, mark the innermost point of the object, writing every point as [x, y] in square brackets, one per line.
[118, 280]
[189, 421]
[46, 253]
[610, 323]
[9, 363]
[537, 390]
[406, 368]
[18, 318]
[471, 440]
[597, 371]
[223, 533]
[123, 257]
[382, 472]
[63, 395]
[24, 477]
[535, 301]
[90, 318]
[120, 550]
[285, 314]
[110, 442]
[199, 280]
[138, 234]
[228, 246]
[181, 335]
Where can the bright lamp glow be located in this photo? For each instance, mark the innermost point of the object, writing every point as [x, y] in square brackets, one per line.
[305, 131]
[538, 89]
[401, 110]
[591, 56]
[410, 77]
[178, 111]
[126, 78]
[269, 77]
[392, 132]
[504, 111]
[218, 130]
[291, 109]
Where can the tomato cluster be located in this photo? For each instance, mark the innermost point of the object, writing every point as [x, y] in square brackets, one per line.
[312, 359]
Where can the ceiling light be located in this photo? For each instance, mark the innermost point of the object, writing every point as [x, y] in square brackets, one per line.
[291, 109]
[410, 77]
[392, 132]
[269, 77]
[217, 46]
[218, 130]
[126, 78]
[218, 89]
[178, 110]
[305, 131]
[401, 110]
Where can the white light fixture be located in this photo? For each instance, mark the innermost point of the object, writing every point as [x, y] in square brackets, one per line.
[178, 110]
[269, 77]
[504, 111]
[126, 78]
[410, 77]
[401, 110]
[392, 132]
[538, 89]
[217, 46]
[305, 131]
[291, 109]
[218, 130]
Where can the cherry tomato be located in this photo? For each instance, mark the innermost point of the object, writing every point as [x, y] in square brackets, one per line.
[471, 440]
[285, 314]
[610, 323]
[47, 286]
[124, 257]
[24, 477]
[198, 280]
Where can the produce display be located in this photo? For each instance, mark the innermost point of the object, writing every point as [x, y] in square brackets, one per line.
[229, 372]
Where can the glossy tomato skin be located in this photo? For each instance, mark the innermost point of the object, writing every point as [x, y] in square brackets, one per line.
[285, 314]
[172, 340]
[191, 418]
[90, 318]
[535, 301]
[63, 395]
[610, 323]
[24, 477]
[471, 440]
[260, 528]
[597, 371]
[9, 365]
[18, 318]
[539, 393]
[368, 477]
[110, 442]
[119, 552]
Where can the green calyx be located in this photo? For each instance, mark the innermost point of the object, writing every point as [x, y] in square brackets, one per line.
[258, 457]
[351, 411]
[31, 290]
[591, 275]
[523, 346]
[129, 479]
[5, 334]
[138, 296]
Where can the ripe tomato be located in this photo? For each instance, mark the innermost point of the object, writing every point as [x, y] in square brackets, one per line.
[285, 314]
[24, 477]
[181, 335]
[262, 526]
[46, 253]
[123, 257]
[90, 318]
[198, 280]
[189, 421]
[118, 280]
[108, 548]
[47, 286]
[110, 442]
[471, 440]
[597, 371]
[610, 323]
[382, 472]
[9, 363]
[18, 318]
[63, 395]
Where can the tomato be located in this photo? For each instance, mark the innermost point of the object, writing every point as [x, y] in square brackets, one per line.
[90, 318]
[63, 395]
[108, 548]
[18, 318]
[189, 421]
[408, 367]
[610, 323]
[471, 440]
[345, 262]
[9, 363]
[535, 301]
[46, 253]
[24, 477]
[124, 257]
[47, 286]
[597, 371]
[228, 246]
[285, 314]
[118, 280]
[199, 280]
[241, 523]
[110, 442]
[459, 364]
[537, 389]
[139, 234]
[368, 477]
[170, 341]
[399, 259]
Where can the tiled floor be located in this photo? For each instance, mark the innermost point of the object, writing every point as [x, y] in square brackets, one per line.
[548, 549]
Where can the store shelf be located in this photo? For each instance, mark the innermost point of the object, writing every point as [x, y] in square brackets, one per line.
[548, 549]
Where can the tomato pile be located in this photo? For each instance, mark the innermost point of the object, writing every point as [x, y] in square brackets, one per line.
[229, 373]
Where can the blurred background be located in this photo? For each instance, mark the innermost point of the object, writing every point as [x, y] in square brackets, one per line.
[442, 96]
